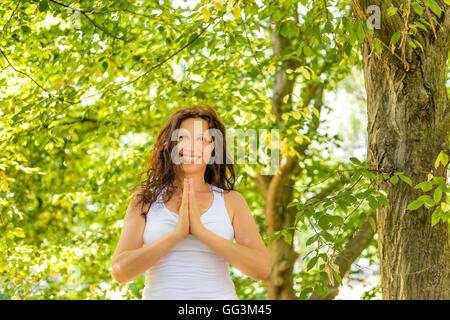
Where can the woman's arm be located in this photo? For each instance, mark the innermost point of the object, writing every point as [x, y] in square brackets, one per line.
[249, 254]
[131, 258]
[132, 263]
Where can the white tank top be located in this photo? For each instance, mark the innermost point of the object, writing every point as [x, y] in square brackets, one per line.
[191, 269]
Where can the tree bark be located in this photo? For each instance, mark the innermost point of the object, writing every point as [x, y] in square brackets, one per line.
[408, 125]
[279, 284]
[278, 189]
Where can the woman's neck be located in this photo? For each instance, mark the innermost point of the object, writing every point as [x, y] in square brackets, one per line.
[198, 184]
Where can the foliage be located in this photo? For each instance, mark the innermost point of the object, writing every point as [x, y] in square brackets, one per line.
[84, 92]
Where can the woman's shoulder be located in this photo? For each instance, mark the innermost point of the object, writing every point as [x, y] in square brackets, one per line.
[232, 194]
[234, 198]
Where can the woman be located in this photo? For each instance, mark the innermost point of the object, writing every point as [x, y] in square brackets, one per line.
[180, 225]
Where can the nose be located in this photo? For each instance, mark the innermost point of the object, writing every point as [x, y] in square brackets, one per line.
[191, 148]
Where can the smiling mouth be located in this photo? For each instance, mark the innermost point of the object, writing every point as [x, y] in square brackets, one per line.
[190, 159]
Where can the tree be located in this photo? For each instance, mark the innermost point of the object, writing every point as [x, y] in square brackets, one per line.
[409, 122]
[81, 105]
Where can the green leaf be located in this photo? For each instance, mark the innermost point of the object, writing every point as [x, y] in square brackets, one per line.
[394, 180]
[412, 44]
[438, 160]
[419, 44]
[312, 239]
[421, 26]
[444, 159]
[419, 202]
[43, 5]
[434, 7]
[327, 236]
[337, 276]
[391, 11]
[384, 200]
[355, 160]
[305, 73]
[307, 51]
[359, 30]
[373, 203]
[429, 202]
[406, 179]
[425, 186]
[321, 289]
[324, 221]
[436, 216]
[287, 236]
[395, 37]
[336, 221]
[377, 46]
[416, 204]
[341, 204]
[437, 195]
[25, 29]
[441, 158]
[276, 235]
[19, 233]
[418, 8]
[305, 292]
[292, 204]
[373, 224]
[312, 263]
[424, 198]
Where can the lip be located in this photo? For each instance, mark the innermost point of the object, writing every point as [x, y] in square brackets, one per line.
[191, 160]
[192, 156]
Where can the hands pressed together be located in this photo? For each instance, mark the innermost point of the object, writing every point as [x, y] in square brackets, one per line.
[189, 215]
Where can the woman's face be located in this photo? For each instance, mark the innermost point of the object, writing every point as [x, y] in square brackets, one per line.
[194, 145]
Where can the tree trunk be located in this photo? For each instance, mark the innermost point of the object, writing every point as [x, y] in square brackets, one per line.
[279, 284]
[408, 125]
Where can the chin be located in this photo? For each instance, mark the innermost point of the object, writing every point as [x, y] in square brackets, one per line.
[193, 168]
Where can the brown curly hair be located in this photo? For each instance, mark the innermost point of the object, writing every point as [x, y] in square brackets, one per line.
[160, 168]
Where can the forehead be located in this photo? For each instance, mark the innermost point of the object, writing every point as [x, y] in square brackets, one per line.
[192, 124]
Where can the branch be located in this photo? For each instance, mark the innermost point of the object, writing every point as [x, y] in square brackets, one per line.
[325, 192]
[31, 78]
[345, 259]
[427, 9]
[262, 182]
[282, 86]
[290, 165]
[264, 26]
[84, 13]
[147, 72]
[12, 14]
[81, 120]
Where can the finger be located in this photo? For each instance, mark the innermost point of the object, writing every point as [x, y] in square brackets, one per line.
[189, 193]
[184, 199]
[191, 190]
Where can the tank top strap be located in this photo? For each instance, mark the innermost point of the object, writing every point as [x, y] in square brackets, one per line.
[216, 189]
[222, 211]
[157, 204]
